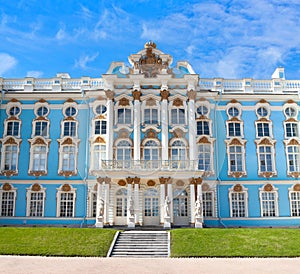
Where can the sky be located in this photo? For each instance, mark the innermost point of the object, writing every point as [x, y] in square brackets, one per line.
[222, 38]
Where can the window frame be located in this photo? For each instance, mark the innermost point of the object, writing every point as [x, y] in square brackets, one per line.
[29, 193]
[238, 202]
[274, 191]
[11, 190]
[60, 191]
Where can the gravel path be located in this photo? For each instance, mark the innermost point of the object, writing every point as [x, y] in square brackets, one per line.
[28, 264]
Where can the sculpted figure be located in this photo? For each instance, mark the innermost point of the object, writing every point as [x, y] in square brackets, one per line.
[167, 206]
[101, 208]
[131, 207]
[198, 208]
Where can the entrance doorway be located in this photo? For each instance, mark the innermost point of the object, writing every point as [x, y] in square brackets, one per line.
[151, 207]
[121, 207]
[180, 207]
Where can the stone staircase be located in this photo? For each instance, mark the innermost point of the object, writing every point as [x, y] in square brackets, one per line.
[140, 244]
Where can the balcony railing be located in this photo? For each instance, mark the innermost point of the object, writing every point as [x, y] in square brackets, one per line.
[150, 165]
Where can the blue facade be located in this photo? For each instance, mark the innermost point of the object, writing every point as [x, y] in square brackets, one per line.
[231, 144]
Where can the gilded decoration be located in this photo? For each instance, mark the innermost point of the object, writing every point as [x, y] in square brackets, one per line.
[204, 140]
[150, 102]
[293, 142]
[205, 187]
[36, 187]
[237, 174]
[67, 173]
[178, 133]
[164, 94]
[150, 64]
[39, 141]
[263, 120]
[41, 118]
[233, 101]
[69, 118]
[14, 100]
[180, 183]
[66, 187]
[150, 183]
[123, 134]
[238, 188]
[12, 118]
[151, 134]
[196, 181]
[165, 180]
[124, 102]
[268, 187]
[177, 102]
[295, 174]
[235, 142]
[192, 94]
[234, 119]
[296, 187]
[100, 117]
[267, 174]
[68, 141]
[129, 180]
[37, 173]
[70, 100]
[291, 120]
[136, 180]
[136, 95]
[290, 102]
[7, 187]
[266, 142]
[9, 173]
[42, 101]
[263, 101]
[99, 140]
[109, 94]
[10, 141]
[122, 183]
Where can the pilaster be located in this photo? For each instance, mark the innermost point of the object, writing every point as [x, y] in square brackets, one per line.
[164, 125]
[110, 125]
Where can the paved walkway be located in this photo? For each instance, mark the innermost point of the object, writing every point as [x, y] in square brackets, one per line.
[28, 264]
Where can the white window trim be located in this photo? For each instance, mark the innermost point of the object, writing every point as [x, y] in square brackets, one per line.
[92, 155]
[237, 121]
[34, 122]
[156, 106]
[292, 190]
[212, 202]
[234, 105]
[14, 190]
[209, 126]
[275, 191]
[58, 201]
[91, 192]
[75, 143]
[272, 145]
[269, 122]
[291, 122]
[230, 143]
[118, 106]
[95, 119]
[62, 125]
[4, 144]
[204, 104]
[245, 192]
[28, 200]
[6, 128]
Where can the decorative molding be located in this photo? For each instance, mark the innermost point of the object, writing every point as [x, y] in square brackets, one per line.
[109, 94]
[165, 180]
[136, 95]
[37, 173]
[151, 183]
[67, 173]
[238, 188]
[36, 187]
[66, 187]
[268, 187]
[124, 102]
[178, 102]
[6, 187]
[192, 94]
[164, 94]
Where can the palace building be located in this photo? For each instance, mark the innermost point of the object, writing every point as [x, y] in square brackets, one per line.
[150, 145]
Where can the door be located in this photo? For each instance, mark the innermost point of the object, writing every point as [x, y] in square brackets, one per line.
[121, 207]
[180, 207]
[151, 207]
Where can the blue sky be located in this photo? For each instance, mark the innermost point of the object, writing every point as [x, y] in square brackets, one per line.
[230, 39]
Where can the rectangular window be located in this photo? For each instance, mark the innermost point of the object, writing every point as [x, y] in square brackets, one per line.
[124, 116]
[238, 204]
[41, 129]
[202, 128]
[265, 159]
[10, 157]
[68, 158]
[7, 206]
[99, 155]
[234, 129]
[291, 129]
[151, 116]
[178, 116]
[13, 128]
[36, 204]
[69, 128]
[207, 198]
[293, 158]
[100, 127]
[94, 204]
[263, 129]
[204, 156]
[39, 158]
[268, 204]
[235, 159]
[66, 204]
[295, 203]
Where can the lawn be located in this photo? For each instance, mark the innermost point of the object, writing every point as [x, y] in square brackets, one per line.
[252, 242]
[55, 241]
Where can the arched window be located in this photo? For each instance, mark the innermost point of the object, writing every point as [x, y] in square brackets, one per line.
[178, 154]
[151, 154]
[123, 154]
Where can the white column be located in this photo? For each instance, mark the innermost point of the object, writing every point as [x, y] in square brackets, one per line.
[192, 126]
[100, 204]
[106, 201]
[129, 195]
[192, 201]
[164, 126]
[136, 126]
[170, 194]
[110, 125]
[162, 202]
[136, 202]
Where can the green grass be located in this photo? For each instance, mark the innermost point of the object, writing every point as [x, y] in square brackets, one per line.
[252, 242]
[55, 241]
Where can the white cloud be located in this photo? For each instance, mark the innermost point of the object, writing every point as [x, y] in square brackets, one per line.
[7, 62]
[34, 73]
[84, 60]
